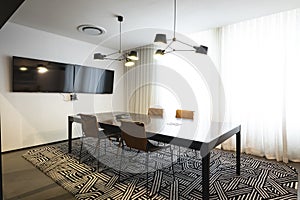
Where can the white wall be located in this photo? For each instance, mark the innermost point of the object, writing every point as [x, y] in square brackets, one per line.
[37, 118]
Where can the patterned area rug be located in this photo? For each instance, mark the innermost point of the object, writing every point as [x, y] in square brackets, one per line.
[259, 179]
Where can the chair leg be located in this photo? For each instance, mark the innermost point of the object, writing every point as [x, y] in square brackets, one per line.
[121, 163]
[147, 160]
[98, 155]
[120, 145]
[120, 142]
[105, 146]
[179, 157]
[80, 150]
[96, 152]
[172, 164]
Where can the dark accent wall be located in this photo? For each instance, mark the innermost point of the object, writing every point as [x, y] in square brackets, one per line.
[7, 9]
[1, 182]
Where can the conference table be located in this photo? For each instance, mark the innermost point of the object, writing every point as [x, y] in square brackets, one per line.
[192, 134]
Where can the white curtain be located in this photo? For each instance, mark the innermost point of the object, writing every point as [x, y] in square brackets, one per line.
[260, 67]
[212, 39]
[139, 81]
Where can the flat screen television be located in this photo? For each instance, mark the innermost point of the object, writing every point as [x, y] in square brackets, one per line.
[32, 75]
[93, 80]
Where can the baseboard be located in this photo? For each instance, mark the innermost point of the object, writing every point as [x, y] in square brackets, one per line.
[30, 147]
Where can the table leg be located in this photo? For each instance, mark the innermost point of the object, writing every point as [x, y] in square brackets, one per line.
[205, 176]
[70, 122]
[238, 153]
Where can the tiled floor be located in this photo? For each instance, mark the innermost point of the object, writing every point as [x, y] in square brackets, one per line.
[21, 180]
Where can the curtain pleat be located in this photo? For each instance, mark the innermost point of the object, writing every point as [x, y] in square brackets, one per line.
[140, 81]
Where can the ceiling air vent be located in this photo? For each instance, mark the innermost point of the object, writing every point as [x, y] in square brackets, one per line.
[91, 30]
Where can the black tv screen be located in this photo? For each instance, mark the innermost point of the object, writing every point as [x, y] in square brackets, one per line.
[32, 75]
[93, 80]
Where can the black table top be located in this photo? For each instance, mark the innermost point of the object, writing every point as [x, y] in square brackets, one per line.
[184, 132]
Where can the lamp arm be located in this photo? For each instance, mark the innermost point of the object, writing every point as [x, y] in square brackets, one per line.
[121, 57]
[113, 59]
[112, 53]
[165, 52]
[185, 43]
[169, 45]
[184, 50]
[175, 50]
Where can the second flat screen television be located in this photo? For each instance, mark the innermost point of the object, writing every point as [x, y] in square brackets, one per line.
[93, 80]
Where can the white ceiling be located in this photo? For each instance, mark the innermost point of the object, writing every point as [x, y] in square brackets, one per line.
[141, 17]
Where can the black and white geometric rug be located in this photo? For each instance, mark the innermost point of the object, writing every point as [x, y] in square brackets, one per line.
[259, 179]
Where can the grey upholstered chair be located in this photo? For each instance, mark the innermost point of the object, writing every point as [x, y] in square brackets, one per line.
[92, 131]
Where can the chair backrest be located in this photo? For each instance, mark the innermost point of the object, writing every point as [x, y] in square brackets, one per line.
[155, 112]
[134, 135]
[90, 126]
[186, 114]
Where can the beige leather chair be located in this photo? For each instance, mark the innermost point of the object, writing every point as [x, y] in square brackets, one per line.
[185, 114]
[156, 112]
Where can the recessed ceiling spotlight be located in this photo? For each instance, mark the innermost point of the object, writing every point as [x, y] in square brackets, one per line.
[91, 29]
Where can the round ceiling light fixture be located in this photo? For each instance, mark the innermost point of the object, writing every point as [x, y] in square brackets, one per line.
[91, 30]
